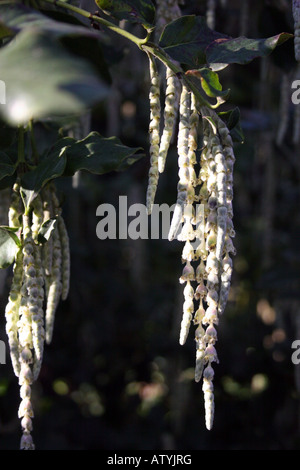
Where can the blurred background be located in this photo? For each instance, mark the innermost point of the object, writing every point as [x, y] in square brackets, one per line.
[114, 376]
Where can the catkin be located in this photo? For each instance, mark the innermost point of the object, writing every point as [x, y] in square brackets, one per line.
[29, 300]
[207, 232]
[40, 276]
[154, 133]
[184, 185]
[12, 311]
[169, 118]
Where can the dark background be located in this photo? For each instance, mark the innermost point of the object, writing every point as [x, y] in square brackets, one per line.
[114, 376]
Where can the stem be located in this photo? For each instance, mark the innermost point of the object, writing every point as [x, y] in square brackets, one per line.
[86, 14]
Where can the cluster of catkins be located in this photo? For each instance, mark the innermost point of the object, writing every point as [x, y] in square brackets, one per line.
[40, 279]
[202, 217]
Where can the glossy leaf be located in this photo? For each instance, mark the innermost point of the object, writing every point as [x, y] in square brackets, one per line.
[44, 80]
[135, 11]
[100, 155]
[9, 245]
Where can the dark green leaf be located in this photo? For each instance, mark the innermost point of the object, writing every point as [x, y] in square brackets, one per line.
[52, 166]
[45, 80]
[9, 245]
[135, 11]
[99, 155]
[46, 230]
[241, 50]
[7, 168]
[187, 38]
[232, 120]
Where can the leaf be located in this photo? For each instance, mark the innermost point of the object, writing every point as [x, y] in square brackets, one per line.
[187, 38]
[51, 166]
[16, 17]
[209, 82]
[189, 41]
[135, 11]
[46, 230]
[9, 245]
[99, 155]
[44, 80]
[232, 120]
[7, 168]
[241, 50]
[78, 38]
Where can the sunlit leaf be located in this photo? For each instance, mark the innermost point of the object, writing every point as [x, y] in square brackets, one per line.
[44, 80]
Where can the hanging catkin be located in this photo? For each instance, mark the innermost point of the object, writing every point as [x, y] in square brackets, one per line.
[169, 118]
[207, 232]
[154, 133]
[184, 184]
[40, 277]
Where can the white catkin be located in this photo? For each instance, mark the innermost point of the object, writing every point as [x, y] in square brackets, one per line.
[55, 287]
[28, 300]
[183, 162]
[169, 118]
[15, 208]
[154, 133]
[12, 312]
[208, 390]
[37, 216]
[38, 331]
[188, 310]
